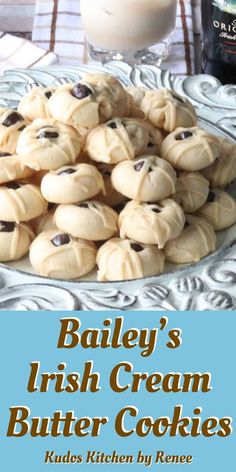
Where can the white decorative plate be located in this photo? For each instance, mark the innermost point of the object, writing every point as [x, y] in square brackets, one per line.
[207, 285]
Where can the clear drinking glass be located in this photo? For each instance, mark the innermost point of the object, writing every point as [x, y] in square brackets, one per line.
[135, 31]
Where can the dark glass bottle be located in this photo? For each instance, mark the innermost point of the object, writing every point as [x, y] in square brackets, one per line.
[219, 39]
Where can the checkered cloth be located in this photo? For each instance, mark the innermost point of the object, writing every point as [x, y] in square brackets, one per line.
[58, 30]
[19, 52]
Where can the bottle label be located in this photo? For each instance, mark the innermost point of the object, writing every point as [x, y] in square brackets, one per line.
[227, 31]
[219, 35]
[224, 25]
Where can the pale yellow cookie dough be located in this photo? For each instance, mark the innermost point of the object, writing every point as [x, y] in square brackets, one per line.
[59, 255]
[190, 149]
[168, 110]
[219, 210]
[12, 168]
[197, 240]
[121, 140]
[223, 171]
[89, 220]
[136, 95]
[192, 190]
[147, 179]
[111, 197]
[150, 223]
[94, 99]
[21, 202]
[43, 222]
[15, 240]
[11, 125]
[48, 145]
[72, 184]
[123, 259]
[34, 104]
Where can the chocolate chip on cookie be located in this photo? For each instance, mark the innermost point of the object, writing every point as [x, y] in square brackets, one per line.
[45, 134]
[112, 125]
[61, 240]
[67, 171]
[156, 210]
[81, 91]
[12, 185]
[6, 227]
[83, 205]
[5, 154]
[136, 247]
[48, 94]
[183, 135]
[12, 119]
[139, 166]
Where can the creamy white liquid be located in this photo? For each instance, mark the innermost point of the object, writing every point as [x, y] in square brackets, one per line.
[127, 24]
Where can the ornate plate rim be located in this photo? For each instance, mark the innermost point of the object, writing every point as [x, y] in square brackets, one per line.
[159, 78]
[166, 275]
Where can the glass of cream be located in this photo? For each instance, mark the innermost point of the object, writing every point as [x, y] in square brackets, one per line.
[135, 31]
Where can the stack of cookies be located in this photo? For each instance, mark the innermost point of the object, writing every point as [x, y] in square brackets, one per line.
[95, 174]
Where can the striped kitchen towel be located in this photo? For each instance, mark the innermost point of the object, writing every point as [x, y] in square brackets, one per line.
[19, 52]
[58, 28]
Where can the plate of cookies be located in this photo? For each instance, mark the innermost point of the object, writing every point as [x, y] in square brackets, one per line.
[106, 182]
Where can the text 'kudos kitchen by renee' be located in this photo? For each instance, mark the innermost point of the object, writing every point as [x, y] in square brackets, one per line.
[122, 378]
